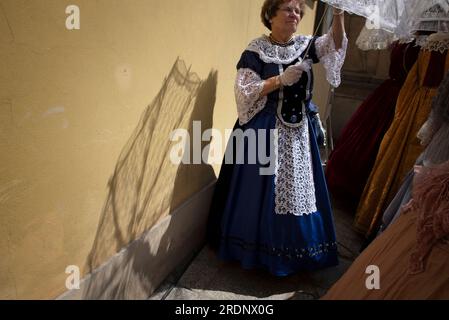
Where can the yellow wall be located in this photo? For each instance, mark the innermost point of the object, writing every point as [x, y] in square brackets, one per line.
[83, 139]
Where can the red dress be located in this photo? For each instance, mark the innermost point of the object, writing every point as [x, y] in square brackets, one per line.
[355, 152]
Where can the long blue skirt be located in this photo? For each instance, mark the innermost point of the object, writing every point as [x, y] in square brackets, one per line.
[244, 226]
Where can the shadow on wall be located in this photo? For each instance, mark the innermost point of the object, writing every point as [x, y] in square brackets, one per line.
[145, 187]
[192, 177]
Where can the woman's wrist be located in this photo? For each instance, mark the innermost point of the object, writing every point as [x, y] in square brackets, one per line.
[278, 82]
[270, 85]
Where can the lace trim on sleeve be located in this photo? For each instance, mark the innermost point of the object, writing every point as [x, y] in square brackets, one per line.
[248, 87]
[331, 58]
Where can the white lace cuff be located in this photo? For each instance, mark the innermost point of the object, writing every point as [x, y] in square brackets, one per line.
[248, 87]
[331, 58]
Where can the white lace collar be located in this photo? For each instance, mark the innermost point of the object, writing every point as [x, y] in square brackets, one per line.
[436, 45]
[271, 53]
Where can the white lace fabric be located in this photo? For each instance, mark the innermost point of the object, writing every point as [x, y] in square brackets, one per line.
[374, 39]
[400, 17]
[418, 15]
[331, 58]
[383, 13]
[271, 53]
[294, 184]
[431, 15]
[436, 45]
[436, 42]
[248, 87]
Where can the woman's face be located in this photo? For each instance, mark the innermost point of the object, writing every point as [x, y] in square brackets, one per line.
[287, 17]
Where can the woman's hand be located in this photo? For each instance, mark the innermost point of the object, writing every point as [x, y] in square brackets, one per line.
[293, 73]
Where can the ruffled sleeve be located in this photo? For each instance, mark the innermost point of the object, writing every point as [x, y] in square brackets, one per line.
[248, 86]
[331, 58]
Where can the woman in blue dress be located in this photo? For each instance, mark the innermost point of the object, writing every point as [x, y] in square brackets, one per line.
[276, 215]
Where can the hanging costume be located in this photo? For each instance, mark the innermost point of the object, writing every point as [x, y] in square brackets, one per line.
[353, 157]
[434, 134]
[412, 254]
[400, 147]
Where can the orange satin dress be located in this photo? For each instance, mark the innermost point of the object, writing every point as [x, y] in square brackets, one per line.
[400, 147]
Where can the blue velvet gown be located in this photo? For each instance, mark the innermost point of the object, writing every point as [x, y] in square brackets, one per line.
[246, 222]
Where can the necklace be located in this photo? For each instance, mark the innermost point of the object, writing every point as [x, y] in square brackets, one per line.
[282, 44]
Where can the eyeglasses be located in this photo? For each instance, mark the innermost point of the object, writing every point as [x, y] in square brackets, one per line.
[290, 10]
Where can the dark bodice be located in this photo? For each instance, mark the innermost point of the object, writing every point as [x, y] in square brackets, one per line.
[287, 102]
[293, 98]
